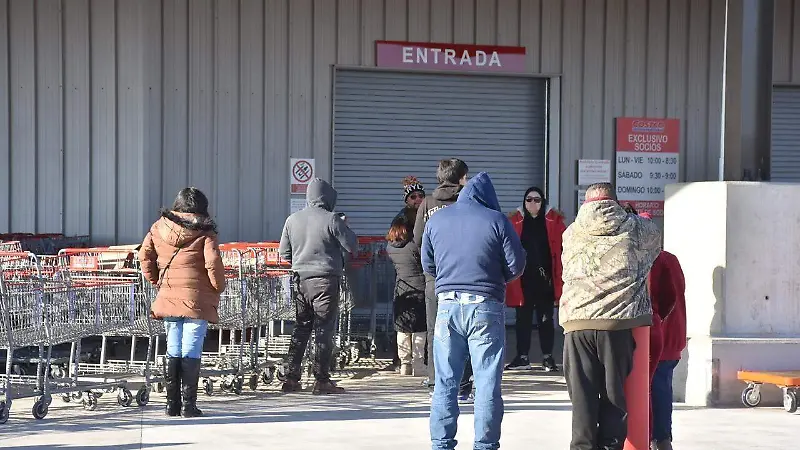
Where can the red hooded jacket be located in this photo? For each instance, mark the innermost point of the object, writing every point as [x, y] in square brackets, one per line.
[667, 287]
[554, 222]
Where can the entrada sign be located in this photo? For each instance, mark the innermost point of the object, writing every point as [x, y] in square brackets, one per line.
[454, 57]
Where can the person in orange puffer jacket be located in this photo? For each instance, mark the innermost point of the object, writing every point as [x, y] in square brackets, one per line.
[539, 288]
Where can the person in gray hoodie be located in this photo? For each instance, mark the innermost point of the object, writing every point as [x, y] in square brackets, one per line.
[315, 241]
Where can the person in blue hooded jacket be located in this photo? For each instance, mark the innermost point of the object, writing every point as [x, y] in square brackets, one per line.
[472, 251]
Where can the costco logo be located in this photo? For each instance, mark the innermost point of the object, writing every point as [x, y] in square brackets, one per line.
[648, 126]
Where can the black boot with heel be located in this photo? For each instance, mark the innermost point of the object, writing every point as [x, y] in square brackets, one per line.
[172, 382]
[190, 376]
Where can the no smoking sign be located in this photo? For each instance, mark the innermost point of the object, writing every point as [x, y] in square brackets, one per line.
[301, 172]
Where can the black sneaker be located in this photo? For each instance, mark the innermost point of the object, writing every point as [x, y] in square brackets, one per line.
[520, 363]
[549, 364]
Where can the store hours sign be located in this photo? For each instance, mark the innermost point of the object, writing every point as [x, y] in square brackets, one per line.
[648, 152]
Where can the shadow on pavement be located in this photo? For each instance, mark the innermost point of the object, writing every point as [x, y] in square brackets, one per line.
[384, 400]
[375, 396]
[97, 447]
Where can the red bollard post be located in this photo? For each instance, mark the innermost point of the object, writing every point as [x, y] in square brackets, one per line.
[637, 393]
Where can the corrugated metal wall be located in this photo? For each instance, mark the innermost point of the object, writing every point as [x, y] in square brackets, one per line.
[111, 107]
[786, 55]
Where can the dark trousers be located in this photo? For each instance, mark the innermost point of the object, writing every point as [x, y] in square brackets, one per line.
[544, 307]
[661, 396]
[316, 307]
[431, 309]
[596, 365]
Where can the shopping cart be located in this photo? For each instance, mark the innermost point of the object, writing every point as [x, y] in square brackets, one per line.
[45, 243]
[10, 246]
[236, 312]
[40, 309]
[370, 287]
[112, 277]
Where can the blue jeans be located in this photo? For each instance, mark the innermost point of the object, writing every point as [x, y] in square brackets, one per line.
[478, 330]
[185, 337]
[661, 396]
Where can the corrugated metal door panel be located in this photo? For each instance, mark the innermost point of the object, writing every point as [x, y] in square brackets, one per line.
[389, 125]
[785, 158]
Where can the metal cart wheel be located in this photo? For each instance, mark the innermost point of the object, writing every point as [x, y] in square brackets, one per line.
[253, 382]
[208, 387]
[342, 358]
[39, 409]
[790, 400]
[125, 398]
[89, 402]
[355, 354]
[268, 376]
[751, 395]
[237, 384]
[57, 372]
[66, 398]
[143, 396]
[5, 409]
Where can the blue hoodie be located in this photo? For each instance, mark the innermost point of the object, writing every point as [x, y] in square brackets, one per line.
[471, 246]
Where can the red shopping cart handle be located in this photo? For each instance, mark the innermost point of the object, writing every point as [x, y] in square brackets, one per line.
[370, 239]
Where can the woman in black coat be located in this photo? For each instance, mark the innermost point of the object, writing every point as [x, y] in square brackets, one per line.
[409, 297]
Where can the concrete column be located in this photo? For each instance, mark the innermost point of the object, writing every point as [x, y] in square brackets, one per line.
[742, 292]
[748, 90]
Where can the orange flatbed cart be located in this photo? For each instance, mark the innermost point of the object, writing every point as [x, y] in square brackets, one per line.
[788, 381]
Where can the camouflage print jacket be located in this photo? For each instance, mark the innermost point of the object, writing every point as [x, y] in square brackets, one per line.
[607, 254]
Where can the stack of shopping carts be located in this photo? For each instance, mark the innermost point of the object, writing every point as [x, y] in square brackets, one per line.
[52, 305]
[40, 306]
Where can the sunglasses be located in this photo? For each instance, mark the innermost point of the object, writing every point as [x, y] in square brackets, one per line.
[533, 199]
[416, 196]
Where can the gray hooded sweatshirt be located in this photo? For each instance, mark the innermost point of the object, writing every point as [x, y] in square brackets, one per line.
[316, 239]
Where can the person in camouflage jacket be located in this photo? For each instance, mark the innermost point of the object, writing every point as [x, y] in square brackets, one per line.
[607, 255]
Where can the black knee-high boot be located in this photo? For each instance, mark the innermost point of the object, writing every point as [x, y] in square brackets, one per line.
[190, 376]
[172, 381]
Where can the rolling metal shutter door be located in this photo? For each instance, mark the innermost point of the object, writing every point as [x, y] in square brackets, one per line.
[389, 125]
[785, 158]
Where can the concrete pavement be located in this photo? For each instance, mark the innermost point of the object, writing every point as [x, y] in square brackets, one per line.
[381, 410]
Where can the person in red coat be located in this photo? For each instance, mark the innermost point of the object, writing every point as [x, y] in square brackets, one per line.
[661, 302]
[539, 288]
[667, 287]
